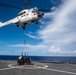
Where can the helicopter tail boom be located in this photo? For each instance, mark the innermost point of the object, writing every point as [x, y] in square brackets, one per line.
[1, 24]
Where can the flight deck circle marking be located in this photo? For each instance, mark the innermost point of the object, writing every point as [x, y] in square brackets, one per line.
[5, 69]
[27, 66]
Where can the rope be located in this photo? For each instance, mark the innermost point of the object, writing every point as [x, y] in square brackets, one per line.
[24, 46]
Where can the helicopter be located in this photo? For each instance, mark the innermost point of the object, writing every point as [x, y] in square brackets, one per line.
[25, 17]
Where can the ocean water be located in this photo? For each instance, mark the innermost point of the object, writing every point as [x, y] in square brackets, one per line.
[43, 58]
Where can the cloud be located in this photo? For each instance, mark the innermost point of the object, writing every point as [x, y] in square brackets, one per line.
[30, 47]
[53, 8]
[44, 50]
[0, 53]
[61, 28]
[16, 45]
[54, 1]
[54, 50]
[31, 36]
[57, 50]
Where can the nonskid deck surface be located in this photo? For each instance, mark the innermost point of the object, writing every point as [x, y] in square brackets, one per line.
[11, 68]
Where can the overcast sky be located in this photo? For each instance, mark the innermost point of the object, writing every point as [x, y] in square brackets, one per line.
[55, 35]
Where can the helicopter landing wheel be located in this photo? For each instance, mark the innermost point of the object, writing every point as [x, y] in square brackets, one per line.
[36, 22]
[17, 25]
[23, 28]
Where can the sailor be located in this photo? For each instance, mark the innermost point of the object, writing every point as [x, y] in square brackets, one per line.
[20, 57]
[21, 60]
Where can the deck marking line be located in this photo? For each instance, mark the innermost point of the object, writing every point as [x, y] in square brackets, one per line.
[13, 66]
[41, 67]
[60, 71]
[5, 69]
[36, 67]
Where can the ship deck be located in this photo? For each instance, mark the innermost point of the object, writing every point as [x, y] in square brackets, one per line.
[11, 68]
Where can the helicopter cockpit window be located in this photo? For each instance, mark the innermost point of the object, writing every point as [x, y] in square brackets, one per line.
[33, 11]
[22, 13]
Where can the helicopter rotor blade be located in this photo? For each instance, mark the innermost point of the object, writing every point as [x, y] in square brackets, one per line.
[9, 6]
[26, 3]
[46, 10]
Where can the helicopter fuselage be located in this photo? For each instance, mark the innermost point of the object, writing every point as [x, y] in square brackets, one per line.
[25, 17]
[29, 16]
